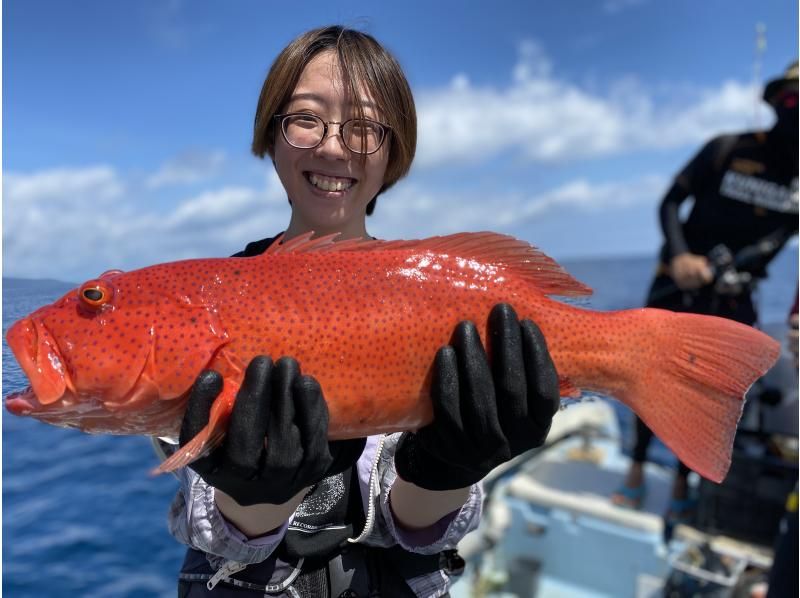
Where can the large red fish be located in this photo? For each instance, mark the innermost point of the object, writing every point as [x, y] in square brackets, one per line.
[119, 354]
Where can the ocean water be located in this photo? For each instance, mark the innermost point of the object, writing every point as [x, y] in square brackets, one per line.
[83, 517]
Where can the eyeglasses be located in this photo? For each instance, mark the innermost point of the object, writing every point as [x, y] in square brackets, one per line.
[306, 131]
[787, 99]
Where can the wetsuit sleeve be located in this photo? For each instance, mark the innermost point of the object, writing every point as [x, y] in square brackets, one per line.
[384, 531]
[195, 520]
[671, 225]
[689, 182]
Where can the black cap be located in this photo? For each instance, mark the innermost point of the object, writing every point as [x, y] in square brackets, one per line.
[787, 81]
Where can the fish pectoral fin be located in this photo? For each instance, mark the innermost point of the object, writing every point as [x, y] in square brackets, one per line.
[210, 437]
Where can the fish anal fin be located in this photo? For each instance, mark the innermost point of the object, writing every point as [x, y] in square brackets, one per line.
[502, 251]
[567, 389]
[210, 437]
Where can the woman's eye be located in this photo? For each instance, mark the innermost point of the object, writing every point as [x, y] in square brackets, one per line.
[303, 122]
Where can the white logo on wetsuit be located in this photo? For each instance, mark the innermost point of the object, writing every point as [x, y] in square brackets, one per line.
[758, 192]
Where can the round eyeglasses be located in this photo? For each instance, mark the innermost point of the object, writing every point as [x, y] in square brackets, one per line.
[306, 131]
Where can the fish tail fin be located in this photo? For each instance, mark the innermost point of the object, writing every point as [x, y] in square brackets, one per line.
[692, 393]
[207, 439]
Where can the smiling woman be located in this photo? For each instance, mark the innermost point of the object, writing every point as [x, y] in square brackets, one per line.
[350, 69]
[328, 183]
[276, 507]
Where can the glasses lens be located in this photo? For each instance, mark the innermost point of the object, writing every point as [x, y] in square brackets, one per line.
[303, 130]
[363, 136]
[789, 100]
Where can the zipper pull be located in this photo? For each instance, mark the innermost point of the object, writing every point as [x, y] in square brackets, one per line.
[228, 569]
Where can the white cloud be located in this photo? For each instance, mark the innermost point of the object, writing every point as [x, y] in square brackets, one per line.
[64, 184]
[72, 223]
[50, 230]
[46, 234]
[189, 167]
[615, 6]
[167, 25]
[412, 211]
[545, 119]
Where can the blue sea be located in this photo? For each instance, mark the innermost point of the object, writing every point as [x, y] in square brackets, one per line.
[83, 517]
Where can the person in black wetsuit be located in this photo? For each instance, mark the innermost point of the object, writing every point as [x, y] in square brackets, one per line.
[744, 188]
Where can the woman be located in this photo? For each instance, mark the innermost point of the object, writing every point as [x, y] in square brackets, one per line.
[299, 515]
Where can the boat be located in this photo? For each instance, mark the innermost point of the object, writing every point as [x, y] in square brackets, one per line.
[550, 530]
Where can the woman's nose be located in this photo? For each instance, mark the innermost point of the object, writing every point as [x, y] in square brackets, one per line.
[332, 145]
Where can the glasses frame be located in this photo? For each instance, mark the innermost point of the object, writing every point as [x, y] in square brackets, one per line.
[281, 118]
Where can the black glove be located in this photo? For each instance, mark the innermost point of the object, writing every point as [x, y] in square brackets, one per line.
[482, 417]
[287, 409]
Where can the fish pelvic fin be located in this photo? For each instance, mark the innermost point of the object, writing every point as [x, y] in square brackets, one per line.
[517, 257]
[693, 392]
[210, 437]
[566, 388]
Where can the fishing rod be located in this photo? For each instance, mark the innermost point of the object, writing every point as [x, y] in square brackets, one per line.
[729, 271]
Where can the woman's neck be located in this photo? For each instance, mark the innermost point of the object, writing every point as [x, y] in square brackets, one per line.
[353, 231]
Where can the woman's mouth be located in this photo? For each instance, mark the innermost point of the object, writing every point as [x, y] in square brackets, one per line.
[329, 183]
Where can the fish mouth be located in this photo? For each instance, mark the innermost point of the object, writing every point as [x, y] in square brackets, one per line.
[41, 361]
[23, 402]
[91, 415]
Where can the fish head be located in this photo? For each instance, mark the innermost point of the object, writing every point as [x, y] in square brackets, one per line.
[116, 355]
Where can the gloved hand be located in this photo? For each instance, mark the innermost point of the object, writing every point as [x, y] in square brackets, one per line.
[482, 416]
[276, 403]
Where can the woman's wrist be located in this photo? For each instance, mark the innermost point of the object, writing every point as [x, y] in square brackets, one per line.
[256, 520]
[416, 508]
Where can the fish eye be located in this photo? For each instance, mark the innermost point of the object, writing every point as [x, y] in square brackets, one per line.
[95, 294]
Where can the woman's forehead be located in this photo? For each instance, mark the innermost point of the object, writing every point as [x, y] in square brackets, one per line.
[322, 82]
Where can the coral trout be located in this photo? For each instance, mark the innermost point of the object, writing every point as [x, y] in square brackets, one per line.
[119, 354]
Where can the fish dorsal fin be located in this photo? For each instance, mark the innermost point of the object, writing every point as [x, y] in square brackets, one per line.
[502, 251]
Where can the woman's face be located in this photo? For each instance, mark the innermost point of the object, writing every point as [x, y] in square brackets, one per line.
[307, 174]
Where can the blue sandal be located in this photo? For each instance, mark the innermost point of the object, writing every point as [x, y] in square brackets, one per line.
[630, 498]
[681, 510]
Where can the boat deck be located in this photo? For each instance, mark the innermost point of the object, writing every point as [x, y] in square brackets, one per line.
[550, 529]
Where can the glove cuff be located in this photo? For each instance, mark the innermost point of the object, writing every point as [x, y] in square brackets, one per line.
[419, 467]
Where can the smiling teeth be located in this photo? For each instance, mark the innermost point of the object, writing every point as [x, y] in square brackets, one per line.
[329, 183]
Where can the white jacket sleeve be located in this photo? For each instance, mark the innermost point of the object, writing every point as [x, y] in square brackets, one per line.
[195, 520]
[376, 475]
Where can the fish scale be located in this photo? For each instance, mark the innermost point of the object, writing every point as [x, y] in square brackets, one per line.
[365, 317]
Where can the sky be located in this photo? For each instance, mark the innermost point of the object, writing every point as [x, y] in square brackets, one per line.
[127, 125]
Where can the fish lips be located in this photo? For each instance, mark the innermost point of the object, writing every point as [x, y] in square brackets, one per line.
[22, 403]
[41, 361]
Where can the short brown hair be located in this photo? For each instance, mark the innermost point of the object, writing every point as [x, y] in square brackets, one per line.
[363, 61]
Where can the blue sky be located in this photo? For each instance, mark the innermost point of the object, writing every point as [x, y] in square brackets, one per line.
[126, 125]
